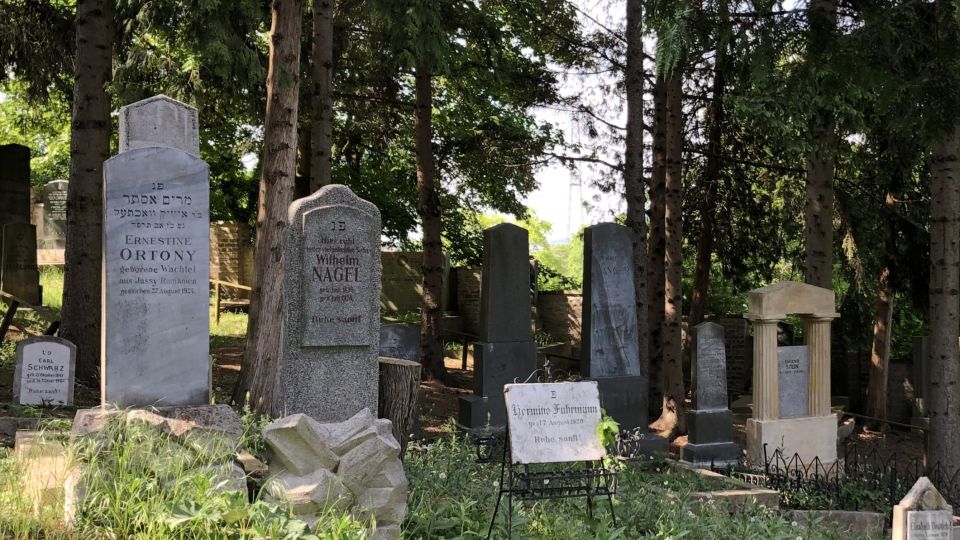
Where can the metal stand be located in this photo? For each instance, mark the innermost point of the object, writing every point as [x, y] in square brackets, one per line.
[525, 484]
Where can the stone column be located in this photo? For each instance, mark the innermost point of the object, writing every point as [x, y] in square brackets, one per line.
[766, 382]
[817, 331]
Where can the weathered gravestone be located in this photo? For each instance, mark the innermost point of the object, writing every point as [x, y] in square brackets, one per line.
[506, 351]
[44, 371]
[921, 381]
[923, 514]
[710, 422]
[159, 121]
[610, 351]
[19, 274]
[794, 377]
[156, 269]
[331, 315]
[554, 422]
[54, 215]
[400, 340]
[14, 184]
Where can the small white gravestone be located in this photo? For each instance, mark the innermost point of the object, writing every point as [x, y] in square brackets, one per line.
[554, 422]
[44, 371]
[923, 514]
[159, 121]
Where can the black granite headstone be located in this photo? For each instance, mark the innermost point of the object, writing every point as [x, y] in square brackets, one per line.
[400, 340]
[54, 215]
[19, 274]
[14, 184]
[506, 352]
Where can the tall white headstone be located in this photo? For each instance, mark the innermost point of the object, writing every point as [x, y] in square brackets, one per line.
[156, 266]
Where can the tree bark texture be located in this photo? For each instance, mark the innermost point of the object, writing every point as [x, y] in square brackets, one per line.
[399, 388]
[880, 349]
[262, 352]
[671, 421]
[943, 441]
[89, 147]
[634, 184]
[821, 160]
[655, 242]
[711, 180]
[321, 96]
[428, 208]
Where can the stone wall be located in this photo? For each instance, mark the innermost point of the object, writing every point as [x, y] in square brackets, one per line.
[468, 297]
[559, 315]
[401, 287]
[231, 256]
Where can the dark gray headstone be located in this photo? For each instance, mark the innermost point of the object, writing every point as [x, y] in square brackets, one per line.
[400, 341]
[505, 285]
[921, 371]
[19, 274]
[14, 184]
[44, 371]
[54, 215]
[331, 312]
[709, 367]
[610, 345]
[794, 362]
[156, 316]
[506, 352]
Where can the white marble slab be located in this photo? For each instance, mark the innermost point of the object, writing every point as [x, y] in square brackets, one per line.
[554, 422]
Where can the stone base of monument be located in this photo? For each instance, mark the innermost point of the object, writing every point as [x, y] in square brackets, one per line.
[708, 427]
[481, 414]
[809, 437]
[711, 454]
[496, 364]
[624, 401]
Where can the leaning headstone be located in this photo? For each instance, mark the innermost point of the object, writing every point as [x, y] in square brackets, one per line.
[44, 371]
[610, 352]
[14, 184]
[399, 340]
[506, 351]
[794, 380]
[331, 313]
[159, 121]
[54, 215]
[19, 274]
[923, 514]
[710, 422]
[156, 271]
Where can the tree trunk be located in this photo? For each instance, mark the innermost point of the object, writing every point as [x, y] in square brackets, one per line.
[633, 174]
[818, 209]
[399, 388]
[321, 100]
[671, 421]
[428, 207]
[89, 148]
[880, 350]
[276, 192]
[943, 441]
[655, 242]
[711, 181]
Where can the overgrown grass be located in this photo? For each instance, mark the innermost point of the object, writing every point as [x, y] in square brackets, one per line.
[51, 279]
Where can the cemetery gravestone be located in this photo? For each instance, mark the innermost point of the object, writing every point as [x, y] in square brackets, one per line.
[54, 215]
[19, 274]
[156, 265]
[710, 422]
[610, 349]
[331, 315]
[159, 121]
[923, 514]
[400, 341]
[14, 184]
[506, 351]
[794, 377]
[44, 371]
[554, 422]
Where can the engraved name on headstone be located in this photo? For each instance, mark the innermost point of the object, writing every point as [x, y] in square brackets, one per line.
[44, 371]
[554, 422]
[54, 215]
[794, 380]
[331, 316]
